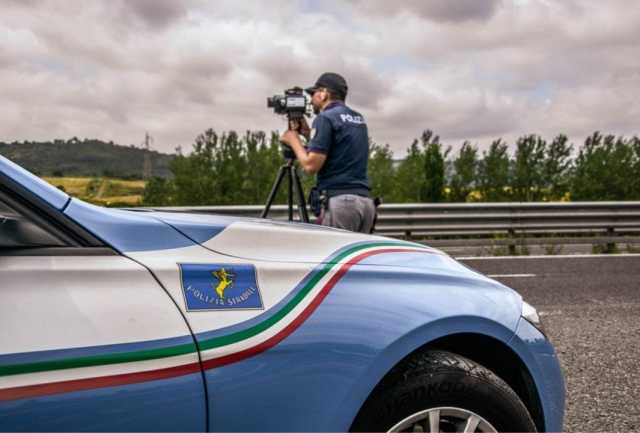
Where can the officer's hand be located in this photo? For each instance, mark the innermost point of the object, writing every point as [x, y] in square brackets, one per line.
[303, 128]
[288, 137]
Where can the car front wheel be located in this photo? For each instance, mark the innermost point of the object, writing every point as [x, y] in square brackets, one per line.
[438, 391]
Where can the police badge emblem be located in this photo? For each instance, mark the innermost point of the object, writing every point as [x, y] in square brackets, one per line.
[220, 287]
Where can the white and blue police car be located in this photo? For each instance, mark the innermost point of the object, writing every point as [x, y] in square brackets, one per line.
[118, 320]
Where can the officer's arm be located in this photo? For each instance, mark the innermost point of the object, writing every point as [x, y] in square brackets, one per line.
[314, 162]
[311, 162]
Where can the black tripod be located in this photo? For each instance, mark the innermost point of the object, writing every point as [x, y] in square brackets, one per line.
[288, 170]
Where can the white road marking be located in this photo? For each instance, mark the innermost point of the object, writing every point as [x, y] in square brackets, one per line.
[566, 256]
[511, 275]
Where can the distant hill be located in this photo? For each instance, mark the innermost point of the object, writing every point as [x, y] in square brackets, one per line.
[86, 157]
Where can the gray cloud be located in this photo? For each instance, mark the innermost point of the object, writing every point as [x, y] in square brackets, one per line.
[156, 13]
[466, 69]
[280, 66]
[23, 3]
[455, 11]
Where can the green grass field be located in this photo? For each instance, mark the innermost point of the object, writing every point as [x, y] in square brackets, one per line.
[101, 190]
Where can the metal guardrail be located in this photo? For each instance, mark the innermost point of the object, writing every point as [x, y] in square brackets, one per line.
[488, 223]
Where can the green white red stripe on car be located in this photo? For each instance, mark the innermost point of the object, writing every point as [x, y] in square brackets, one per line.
[218, 346]
[307, 297]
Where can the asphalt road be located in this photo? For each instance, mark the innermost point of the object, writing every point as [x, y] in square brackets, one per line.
[590, 307]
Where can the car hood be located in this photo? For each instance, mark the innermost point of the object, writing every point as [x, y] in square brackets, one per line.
[132, 232]
[246, 238]
[251, 238]
[275, 241]
[279, 241]
[263, 239]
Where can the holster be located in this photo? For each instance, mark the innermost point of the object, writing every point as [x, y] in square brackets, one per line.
[318, 200]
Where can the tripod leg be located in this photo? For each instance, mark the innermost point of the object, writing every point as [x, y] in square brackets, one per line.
[302, 203]
[290, 172]
[274, 190]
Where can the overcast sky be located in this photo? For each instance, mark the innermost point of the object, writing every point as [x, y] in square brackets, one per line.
[467, 69]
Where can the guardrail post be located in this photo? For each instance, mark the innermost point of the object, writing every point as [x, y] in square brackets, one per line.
[611, 246]
[407, 234]
[512, 242]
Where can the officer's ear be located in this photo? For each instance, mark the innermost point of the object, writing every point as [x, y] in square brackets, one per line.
[325, 96]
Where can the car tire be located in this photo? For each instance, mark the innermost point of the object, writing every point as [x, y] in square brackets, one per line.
[445, 387]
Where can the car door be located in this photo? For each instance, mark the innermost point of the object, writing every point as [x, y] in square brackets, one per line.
[89, 340]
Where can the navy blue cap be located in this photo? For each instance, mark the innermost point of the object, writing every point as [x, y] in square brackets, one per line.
[331, 81]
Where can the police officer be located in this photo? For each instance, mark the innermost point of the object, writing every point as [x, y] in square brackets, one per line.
[338, 151]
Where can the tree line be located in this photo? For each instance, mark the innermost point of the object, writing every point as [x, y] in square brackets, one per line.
[230, 168]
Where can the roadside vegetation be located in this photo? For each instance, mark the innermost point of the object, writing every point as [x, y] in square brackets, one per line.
[239, 169]
[231, 168]
[101, 190]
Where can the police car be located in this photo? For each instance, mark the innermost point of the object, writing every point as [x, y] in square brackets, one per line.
[136, 320]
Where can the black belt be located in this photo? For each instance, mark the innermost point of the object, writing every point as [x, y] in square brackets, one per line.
[355, 191]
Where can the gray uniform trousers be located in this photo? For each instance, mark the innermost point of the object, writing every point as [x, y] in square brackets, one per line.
[350, 212]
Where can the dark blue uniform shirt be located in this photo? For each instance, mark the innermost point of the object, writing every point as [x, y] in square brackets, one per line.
[341, 134]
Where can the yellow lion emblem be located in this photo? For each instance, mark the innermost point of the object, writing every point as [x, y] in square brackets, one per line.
[224, 280]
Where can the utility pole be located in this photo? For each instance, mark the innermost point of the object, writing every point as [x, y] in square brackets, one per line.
[146, 170]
